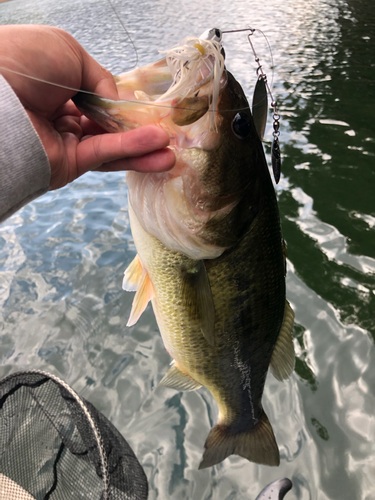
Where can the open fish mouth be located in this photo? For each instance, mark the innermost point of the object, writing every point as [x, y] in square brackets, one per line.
[174, 92]
[197, 68]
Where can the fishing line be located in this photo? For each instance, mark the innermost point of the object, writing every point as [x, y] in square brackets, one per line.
[140, 103]
[148, 103]
[252, 31]
[275, 149]
[47, 82]
[127, 33]
[270, 50]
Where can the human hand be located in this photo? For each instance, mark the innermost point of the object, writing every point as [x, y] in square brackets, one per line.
[74, 144]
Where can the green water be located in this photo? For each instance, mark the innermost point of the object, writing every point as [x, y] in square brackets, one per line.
[63, 256]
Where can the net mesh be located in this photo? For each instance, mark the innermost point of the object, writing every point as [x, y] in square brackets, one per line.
[54, 445]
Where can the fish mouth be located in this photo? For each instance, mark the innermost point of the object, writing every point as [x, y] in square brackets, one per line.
[198, 119]
[199, 76]
[176, 93]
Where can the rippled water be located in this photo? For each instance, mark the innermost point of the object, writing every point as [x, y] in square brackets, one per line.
[62, 257]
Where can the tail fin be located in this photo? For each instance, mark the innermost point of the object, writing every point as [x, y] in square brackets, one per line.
[257, 444]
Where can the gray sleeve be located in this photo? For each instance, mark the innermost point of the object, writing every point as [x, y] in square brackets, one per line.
[24, 166]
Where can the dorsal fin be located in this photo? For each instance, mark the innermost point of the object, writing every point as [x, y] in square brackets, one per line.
[283, 358]
[285, 248]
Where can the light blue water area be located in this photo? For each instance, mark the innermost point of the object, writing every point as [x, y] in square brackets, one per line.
[63, 256]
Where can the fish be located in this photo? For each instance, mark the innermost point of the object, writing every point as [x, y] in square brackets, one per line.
[210, 253]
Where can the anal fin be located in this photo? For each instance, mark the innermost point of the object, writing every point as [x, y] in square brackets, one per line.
[179, 380]
[283, 357]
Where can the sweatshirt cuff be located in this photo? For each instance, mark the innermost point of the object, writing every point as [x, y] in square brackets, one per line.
[24, 167]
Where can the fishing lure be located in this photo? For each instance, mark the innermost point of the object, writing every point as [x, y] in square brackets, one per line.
[260, 99]
[260, 106]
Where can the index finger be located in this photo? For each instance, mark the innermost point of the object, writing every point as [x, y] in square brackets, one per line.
[95, 151]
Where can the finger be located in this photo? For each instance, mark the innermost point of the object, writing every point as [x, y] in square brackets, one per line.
[68, 108]
[158, 161]
[93, 152]
[89, 127]
[70, 124]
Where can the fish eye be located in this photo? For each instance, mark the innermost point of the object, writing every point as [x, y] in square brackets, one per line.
[241, 125]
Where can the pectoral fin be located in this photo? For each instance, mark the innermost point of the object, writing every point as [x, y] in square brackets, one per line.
[283, 358]
[137, 279]
[197, 295]
[179, 380]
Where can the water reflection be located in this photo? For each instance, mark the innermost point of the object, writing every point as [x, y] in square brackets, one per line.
[62, 257]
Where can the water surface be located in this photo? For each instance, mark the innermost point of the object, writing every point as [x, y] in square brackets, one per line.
[63, 256]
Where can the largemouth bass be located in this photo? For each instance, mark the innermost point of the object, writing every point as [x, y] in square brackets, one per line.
[210, 250]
